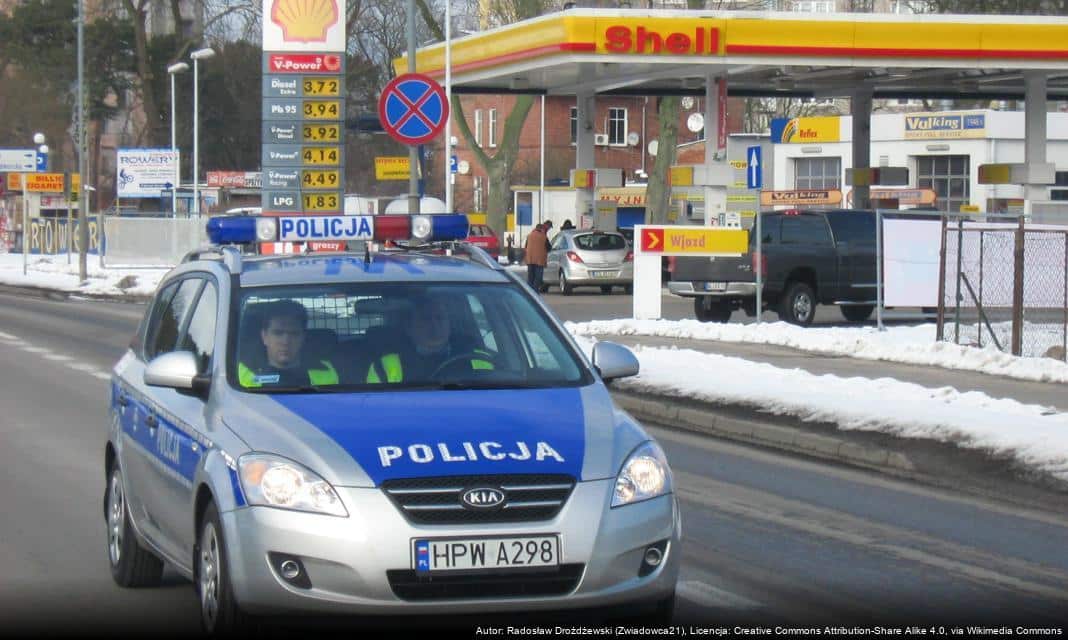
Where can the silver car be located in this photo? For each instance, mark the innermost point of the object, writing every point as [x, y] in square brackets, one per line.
[587, 258]
[512, 484]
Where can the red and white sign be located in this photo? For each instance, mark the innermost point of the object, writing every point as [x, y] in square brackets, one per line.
[624, 39]
[721, 125]
[288, 248]
[304, 25]
[303, 63]
[235, 179]
[652, 240]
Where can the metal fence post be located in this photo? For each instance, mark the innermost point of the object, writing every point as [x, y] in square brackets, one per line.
[759, 268]
[1017, 290]
[1064, 327]
[940, 334]
[982, 270]
[879, 269]
[956, 300]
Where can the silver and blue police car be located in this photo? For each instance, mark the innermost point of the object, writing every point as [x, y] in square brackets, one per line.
[377, 433]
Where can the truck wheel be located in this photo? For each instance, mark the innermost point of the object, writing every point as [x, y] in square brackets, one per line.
[708, 310]
[857, 312]
[798, 306]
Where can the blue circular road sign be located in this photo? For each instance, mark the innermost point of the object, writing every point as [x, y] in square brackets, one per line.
[413, 108]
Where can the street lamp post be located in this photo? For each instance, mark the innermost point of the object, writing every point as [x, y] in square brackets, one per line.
[38, 139]
[197, 56]
[174, 69]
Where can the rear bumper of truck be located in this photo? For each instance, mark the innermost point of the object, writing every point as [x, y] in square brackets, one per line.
[716, 289]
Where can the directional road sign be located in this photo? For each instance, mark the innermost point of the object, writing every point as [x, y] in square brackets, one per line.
[413, 109]
[755, 175]
[23, 160]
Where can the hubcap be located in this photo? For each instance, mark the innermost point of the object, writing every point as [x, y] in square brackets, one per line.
[116, 518]
[802, 307]
[563, 282]
[209, 575]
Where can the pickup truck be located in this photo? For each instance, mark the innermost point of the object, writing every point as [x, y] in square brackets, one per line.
[809, 258]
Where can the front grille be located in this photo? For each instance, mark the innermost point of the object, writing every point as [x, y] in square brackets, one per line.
[528, 498]
[407, 585]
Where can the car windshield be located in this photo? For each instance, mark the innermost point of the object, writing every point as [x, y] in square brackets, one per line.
[337, 337]
[600, 242]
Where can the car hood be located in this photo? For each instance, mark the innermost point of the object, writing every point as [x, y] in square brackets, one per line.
[364, 439]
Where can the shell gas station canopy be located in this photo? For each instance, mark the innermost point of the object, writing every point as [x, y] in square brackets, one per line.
[648, 52]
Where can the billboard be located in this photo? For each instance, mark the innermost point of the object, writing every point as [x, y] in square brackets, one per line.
[145, 173]
[932, 126]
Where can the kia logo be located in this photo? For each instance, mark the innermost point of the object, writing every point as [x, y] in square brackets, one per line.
[482, 498]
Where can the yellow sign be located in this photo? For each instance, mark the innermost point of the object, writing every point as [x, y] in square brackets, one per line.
[322, 132]
[14, 182]
[623, 196]
[969, 208]
[801, 197]
[321, 155]
[321, 202]
[805, 130]
[322, 109]
[745, 199]
[681, 176]
[689, 241]
[392, 168]
[322, 87]
[739, 164]
[583, 178]
[995, 174]
[320, 178]
[44, 182]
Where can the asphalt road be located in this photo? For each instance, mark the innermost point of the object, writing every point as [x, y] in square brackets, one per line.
[768, 539]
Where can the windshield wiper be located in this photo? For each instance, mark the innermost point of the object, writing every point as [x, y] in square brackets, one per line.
[310, 388]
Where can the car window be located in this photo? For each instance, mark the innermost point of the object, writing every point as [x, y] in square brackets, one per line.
[199, 337]
[770, 228]
[807, 230]
[600, 242]
[163, 334]
[559, 242]
[857, 227]
[377, 336]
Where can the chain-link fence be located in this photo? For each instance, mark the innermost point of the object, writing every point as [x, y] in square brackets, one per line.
[1005, 284]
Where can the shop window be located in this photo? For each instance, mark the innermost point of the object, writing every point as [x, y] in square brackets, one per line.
[617, 126]
[817, 173]
[948, 176]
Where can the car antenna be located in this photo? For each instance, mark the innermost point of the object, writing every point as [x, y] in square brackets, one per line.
[367, 253]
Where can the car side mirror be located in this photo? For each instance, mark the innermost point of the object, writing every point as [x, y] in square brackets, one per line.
[176, 370]
[614, 361]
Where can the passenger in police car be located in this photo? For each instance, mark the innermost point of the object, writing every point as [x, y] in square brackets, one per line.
[431, 348]
[282, 360]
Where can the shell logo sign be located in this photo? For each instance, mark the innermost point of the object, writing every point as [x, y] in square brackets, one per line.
[303, 25]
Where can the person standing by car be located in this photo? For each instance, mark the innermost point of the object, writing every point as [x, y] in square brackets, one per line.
[536, 254]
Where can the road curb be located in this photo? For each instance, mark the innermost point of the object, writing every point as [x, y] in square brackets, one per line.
[715, 421]
[60, 294]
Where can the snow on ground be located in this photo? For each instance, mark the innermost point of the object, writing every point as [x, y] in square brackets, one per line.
[1033, 435]
[904, 344]
[53, 272]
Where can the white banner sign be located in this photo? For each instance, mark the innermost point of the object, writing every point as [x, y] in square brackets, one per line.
[316, 26]
[145, 173]
[18, 160]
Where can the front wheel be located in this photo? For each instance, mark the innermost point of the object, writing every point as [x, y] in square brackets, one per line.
[798, 306]
[606, 289]
[131, 564]
[709, 310]
[219, 613]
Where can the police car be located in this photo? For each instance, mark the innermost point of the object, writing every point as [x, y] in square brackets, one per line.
[377, 433]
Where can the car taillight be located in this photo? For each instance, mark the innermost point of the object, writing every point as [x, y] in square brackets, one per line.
[671, 264]
[574, 257]
[760, 263]
[630, 256]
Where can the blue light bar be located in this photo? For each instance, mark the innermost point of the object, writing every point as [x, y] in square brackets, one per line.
[232, 229]
[452, 226]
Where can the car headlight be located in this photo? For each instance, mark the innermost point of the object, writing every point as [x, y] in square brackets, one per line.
[644, 475]
[273, 481]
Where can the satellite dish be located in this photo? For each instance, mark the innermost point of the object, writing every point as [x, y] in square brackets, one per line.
[695, 122]
[687, 102]
[633, 138]
[653, 147]
[463, 166]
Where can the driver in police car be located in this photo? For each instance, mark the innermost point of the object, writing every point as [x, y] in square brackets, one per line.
[429, 347]
[283, 363]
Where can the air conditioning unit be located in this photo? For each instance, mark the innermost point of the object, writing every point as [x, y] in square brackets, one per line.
[600, 139]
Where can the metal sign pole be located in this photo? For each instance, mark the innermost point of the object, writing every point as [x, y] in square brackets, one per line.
[879, 269]
[25, 227]
[759, 267]
[66, 186]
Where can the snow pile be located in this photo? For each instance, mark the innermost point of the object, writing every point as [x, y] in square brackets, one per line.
[53, 272]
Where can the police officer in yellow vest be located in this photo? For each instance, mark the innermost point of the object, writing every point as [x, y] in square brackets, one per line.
[283, 363]
[429, 332]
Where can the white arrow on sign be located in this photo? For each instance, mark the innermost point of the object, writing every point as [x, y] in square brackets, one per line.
[754, 163]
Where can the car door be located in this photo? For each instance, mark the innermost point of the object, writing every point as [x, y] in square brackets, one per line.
[854, 236]
[556, 253]
[807, 245]
[166, 435]
[131, 407]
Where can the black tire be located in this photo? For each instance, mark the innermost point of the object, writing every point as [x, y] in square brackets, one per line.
[606, 289]
[798, 306]
[857, 312]
[708, 309]
[565, 288]
[131, 564]
[628, 289]
[219, 611]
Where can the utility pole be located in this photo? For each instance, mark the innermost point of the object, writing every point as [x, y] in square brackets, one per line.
[413, 151]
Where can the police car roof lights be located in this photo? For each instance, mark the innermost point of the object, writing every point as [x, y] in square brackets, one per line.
[421, 228]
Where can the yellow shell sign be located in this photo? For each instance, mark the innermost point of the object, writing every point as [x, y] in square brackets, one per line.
[304, 20]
